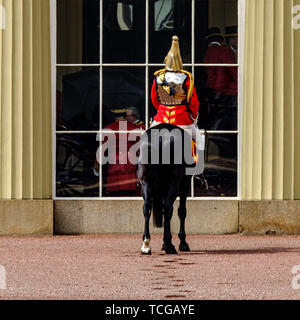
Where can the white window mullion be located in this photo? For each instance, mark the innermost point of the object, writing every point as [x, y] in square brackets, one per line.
[76, 132]
[78, 65]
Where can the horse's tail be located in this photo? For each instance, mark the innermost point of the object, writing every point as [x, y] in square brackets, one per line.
[157, 197]
[158, 207]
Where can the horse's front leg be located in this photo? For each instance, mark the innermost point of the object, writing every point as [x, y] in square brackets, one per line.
[146, 249]
[184, 189]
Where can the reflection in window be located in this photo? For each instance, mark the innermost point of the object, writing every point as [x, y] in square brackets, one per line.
[123, 88]
[120, 178]
[216, 14]
[122, 40]
[217, 91]
[164, 15]
[78, 36]
[168, 18]
[220, 166]
[119, 16]
[123, 31]
[75, 165]
[77, 98]
[125, 16]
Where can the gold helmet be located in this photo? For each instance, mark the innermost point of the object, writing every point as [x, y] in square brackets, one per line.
[173, 61]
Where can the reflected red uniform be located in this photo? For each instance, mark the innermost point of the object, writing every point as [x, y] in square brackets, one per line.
[122, 176]
[140, 124]
[221, 79]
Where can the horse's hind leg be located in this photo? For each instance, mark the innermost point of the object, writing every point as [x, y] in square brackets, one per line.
[184, 189]
[146, 249]
[168, 247]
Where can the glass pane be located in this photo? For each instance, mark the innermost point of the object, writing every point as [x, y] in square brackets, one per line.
[76, 170]
[78, 35]
[217, 93]
[77, 98]
[220, 167]
[123, 88]
[164, 15]
[168, 18]
[118, 16]
[216, 31]
[152, 110]
[123, 31]
[120, 170]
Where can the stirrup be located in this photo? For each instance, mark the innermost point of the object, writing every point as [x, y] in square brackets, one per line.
[204, 183]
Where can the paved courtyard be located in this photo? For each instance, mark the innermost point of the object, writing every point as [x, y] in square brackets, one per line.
[111, 267]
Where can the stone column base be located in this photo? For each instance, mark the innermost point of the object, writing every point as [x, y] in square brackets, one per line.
[37, 217]
[280, 217]
[26, 217]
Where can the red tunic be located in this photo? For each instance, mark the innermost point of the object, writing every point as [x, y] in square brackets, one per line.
[221, 79]
[122, 176]
[177, 115]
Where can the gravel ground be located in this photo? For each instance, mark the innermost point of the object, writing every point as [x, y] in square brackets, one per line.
[111, 267]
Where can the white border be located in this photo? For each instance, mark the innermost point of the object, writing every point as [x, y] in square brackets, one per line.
[54, 65]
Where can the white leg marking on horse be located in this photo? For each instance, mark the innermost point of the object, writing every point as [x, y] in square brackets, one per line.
[146, 249]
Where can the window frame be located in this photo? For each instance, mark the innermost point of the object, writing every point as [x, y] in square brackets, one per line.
[146, 65]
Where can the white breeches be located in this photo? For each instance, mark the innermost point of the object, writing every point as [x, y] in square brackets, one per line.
[193, 130]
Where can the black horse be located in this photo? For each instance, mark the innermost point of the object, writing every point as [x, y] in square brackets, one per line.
[162, 181]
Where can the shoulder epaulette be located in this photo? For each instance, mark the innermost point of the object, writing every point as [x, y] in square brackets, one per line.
[158, 72]
[191, 87]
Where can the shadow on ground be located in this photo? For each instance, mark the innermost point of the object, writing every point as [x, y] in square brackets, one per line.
[245, 251]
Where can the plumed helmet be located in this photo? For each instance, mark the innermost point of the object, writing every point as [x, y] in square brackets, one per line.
[173, 61]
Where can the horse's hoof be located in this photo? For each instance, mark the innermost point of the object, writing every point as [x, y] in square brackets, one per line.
[146, 249]
[170, 249]
[146, 252]
[184, 247]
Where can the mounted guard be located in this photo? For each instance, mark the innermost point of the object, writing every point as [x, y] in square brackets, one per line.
[174, 96]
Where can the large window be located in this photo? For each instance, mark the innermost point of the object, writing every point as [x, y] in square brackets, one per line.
[106, 54]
